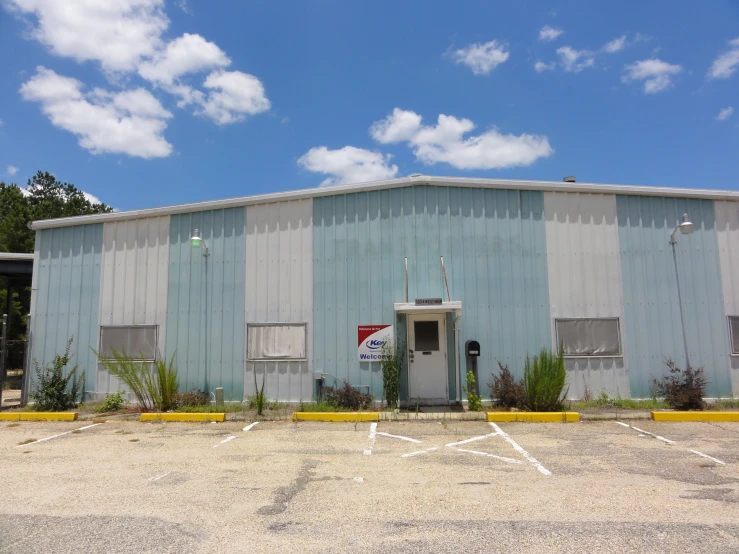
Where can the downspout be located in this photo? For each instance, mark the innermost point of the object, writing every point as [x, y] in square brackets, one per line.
[456, 354]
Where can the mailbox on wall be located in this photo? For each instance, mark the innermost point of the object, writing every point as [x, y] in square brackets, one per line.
[472, 348]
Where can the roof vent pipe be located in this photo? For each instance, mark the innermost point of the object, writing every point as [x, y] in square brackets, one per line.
[569, 179]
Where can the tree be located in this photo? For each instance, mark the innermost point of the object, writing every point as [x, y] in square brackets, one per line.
[43, 198]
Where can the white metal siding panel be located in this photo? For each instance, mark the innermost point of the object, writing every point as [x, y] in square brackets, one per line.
[727, 234]
[134, 280]
[279, 289]
[584, 269]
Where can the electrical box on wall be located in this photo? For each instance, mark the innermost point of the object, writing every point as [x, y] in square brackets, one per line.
[472, 348]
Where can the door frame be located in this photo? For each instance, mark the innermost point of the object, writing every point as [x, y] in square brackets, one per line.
[440, 316]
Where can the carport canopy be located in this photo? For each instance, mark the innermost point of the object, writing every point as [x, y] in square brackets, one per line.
[18, 267]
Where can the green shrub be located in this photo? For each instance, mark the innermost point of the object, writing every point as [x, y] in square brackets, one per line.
[112, 403]
[683, 389]
[154, 388]
[194, 397]
[544, 378]
[505, 392]
[53, 391]
[348, 397]
[474, 402]
[392, 364]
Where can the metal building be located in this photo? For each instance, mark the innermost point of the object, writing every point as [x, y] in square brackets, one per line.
[301, 283]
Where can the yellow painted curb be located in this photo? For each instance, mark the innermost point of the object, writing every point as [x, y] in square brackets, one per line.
[695, 416]
[541, 417]
[184, 416]
[38, 416]
[336, 416]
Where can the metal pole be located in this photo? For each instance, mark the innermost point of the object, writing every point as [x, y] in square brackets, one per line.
[3, 351]
[26, 364]
[680, 303]
[446, 284]
[406, 280]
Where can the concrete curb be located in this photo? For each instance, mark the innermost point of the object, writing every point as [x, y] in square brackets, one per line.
[695, 416]
[184, 417]
[350, 417]
[38, 416]
[539, 417]
[433, 416]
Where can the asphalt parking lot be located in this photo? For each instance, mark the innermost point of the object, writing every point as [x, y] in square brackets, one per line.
[342, 487]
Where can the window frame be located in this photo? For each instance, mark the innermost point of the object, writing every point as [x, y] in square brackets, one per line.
[588, 356]
[732, 351]
[148, 325]
[303, 324]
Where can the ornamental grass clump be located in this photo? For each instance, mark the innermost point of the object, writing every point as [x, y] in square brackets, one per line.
[155, 388]
[544, 378]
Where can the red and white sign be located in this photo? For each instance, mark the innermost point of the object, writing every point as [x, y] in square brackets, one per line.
[371, 340]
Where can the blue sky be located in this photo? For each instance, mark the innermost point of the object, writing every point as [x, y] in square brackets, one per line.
[152, 102]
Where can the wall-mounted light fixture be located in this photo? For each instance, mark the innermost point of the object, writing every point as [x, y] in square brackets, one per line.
[196, 241]
[685, 227]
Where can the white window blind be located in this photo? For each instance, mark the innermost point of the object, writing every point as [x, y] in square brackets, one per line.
[275, 341]
[589, 336]
[136, 341]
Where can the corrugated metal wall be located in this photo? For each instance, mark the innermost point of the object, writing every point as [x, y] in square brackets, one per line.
[650, 275]
[727, 231]
[134, 280]
[205, 300]
[584, 268]
[279, 289]
[494, 247]
[67, 295]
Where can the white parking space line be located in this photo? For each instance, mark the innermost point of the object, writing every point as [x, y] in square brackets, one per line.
[707, 456]
[453, 444]
[501, 458]
[398, 437]
[156, 478]
[227, 439]
[521, 450]
[419, 452]
[663, 439]
[372, 435]
[250, 426]
[59, 435]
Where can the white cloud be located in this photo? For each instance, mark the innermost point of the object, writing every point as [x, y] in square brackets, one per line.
[725, 65]
[125, 36]
[540, 66]
[182, 4]
[91, 198]
[12, 170]
[573, 60]
[232, 95]
[399, 126]
[130, 122]
[445, 142]
[547, 33]
[656, 74]
[348, 165]
[482, 58]
[116, 33]
[725, 113]
[615, 45]
[186, 54]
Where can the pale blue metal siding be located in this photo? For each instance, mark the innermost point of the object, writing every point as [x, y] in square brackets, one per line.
[67, 296]
[206, 300]
[652, 330]
[494, 248]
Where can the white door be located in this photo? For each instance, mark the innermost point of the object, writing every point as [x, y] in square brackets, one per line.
[427, 365]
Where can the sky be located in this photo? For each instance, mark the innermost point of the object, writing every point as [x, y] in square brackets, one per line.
[145, 103]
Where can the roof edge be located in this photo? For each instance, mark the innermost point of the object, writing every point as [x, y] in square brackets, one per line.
[545, 186]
